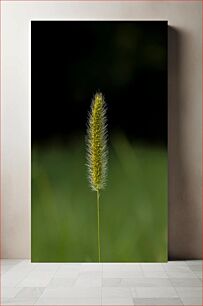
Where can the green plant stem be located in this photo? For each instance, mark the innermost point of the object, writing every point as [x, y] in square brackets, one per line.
[98, 227]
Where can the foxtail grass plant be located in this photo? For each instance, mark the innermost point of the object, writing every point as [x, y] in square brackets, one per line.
[97, 152]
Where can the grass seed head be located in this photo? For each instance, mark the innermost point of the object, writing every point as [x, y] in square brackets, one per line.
[97, 143]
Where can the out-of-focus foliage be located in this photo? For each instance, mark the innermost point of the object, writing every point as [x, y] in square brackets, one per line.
[133, 207]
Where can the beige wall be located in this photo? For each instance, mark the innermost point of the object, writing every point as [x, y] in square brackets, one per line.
[184, 113]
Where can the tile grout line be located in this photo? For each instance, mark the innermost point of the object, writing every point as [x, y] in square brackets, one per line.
[16, 286]
[201, 264]
[174, 288]
[46, 286]
[102, 283]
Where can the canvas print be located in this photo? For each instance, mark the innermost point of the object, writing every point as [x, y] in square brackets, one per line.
[99, 141]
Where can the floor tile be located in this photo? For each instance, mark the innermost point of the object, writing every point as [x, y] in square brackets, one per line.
[145, 282]
[90, 274]
[89, 279]
[193, 262]
[5, 268]
[67, 267]
[61, 282]
[198, 274]
[21, 301]
[111, 282]
[175, 262]
[68, 271]
[9, 292]
[152, 267]
[181, 274]
[185, 282]
[52, 267]
[114, 267]
[89, 282]
[196, 268]
[122, 274]
[69, 301]
[177, 268]
[4, 301]
[30, 292]
[11, 261]
[80, 292]
[86, 267]
[157, 301]
[70, 265]
[115, 292]
[117, 301]
[172, 283]
[14, 276]
[194, 301]
[156, 274]
[189, 291]
[147, 292]
[37, 279]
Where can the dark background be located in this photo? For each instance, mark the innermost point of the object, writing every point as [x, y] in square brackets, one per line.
[126, 61]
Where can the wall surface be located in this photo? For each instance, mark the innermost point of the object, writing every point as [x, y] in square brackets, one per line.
[184, 107]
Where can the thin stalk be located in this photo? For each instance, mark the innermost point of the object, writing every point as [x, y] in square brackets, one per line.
[98, 227]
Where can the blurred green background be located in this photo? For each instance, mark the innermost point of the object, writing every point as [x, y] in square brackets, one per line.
[133, 205]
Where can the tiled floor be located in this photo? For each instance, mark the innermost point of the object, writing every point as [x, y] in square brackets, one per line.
[172, 283]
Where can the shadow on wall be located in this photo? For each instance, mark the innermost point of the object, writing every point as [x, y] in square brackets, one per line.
[184, 205]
